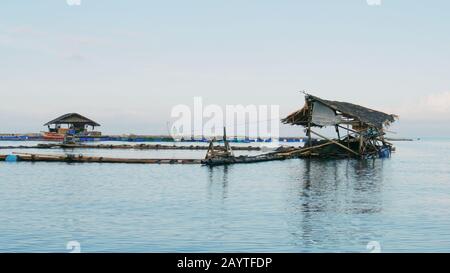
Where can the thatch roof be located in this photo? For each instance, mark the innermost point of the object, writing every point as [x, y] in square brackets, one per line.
[348, 110]
[72, 118]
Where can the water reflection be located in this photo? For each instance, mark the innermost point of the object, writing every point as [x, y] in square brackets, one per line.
[338, 184]
[328, 194]
[218, 180]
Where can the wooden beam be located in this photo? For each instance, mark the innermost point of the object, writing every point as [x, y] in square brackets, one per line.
[335, 142]
[348, 129]
[301, 151]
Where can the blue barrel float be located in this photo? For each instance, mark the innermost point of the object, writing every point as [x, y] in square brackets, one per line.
[11, 158]
[385, 152]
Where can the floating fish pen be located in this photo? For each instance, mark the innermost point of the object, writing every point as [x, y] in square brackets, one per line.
[124, 147]
[135, 138]
[363, 127]
[364, 138]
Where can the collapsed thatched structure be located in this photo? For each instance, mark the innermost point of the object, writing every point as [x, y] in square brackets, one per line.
[327, 112]
[364, 139]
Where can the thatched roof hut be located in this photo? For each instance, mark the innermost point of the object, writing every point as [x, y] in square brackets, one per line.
[319, 112]
[72, 119]
[365, 138]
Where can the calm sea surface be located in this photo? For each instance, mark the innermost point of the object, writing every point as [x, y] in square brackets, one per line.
[403, 203]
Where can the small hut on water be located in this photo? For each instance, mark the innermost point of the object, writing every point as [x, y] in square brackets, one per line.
[74, 123]
[364, 129]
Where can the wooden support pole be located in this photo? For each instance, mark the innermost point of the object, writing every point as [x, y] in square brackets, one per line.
[348, 136]
[309, 124]
[361, 143]
[309, 135]
[226, 143]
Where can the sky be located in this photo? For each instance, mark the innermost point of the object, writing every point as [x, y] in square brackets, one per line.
[126, 64]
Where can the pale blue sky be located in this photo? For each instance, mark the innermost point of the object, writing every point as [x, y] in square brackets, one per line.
[127, 63]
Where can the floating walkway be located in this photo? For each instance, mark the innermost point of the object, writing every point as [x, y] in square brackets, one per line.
[69, 158]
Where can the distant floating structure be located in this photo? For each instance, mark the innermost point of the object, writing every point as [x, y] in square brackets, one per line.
[363, 127]
[70, 124]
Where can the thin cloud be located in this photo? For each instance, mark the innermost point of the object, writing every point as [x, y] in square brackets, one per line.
[438, 103]
[82, 40]
[26, 30]
[75, 57]
[29, 38]
[433, 107]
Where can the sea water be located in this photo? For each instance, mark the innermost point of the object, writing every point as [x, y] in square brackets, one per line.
[400, 204]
